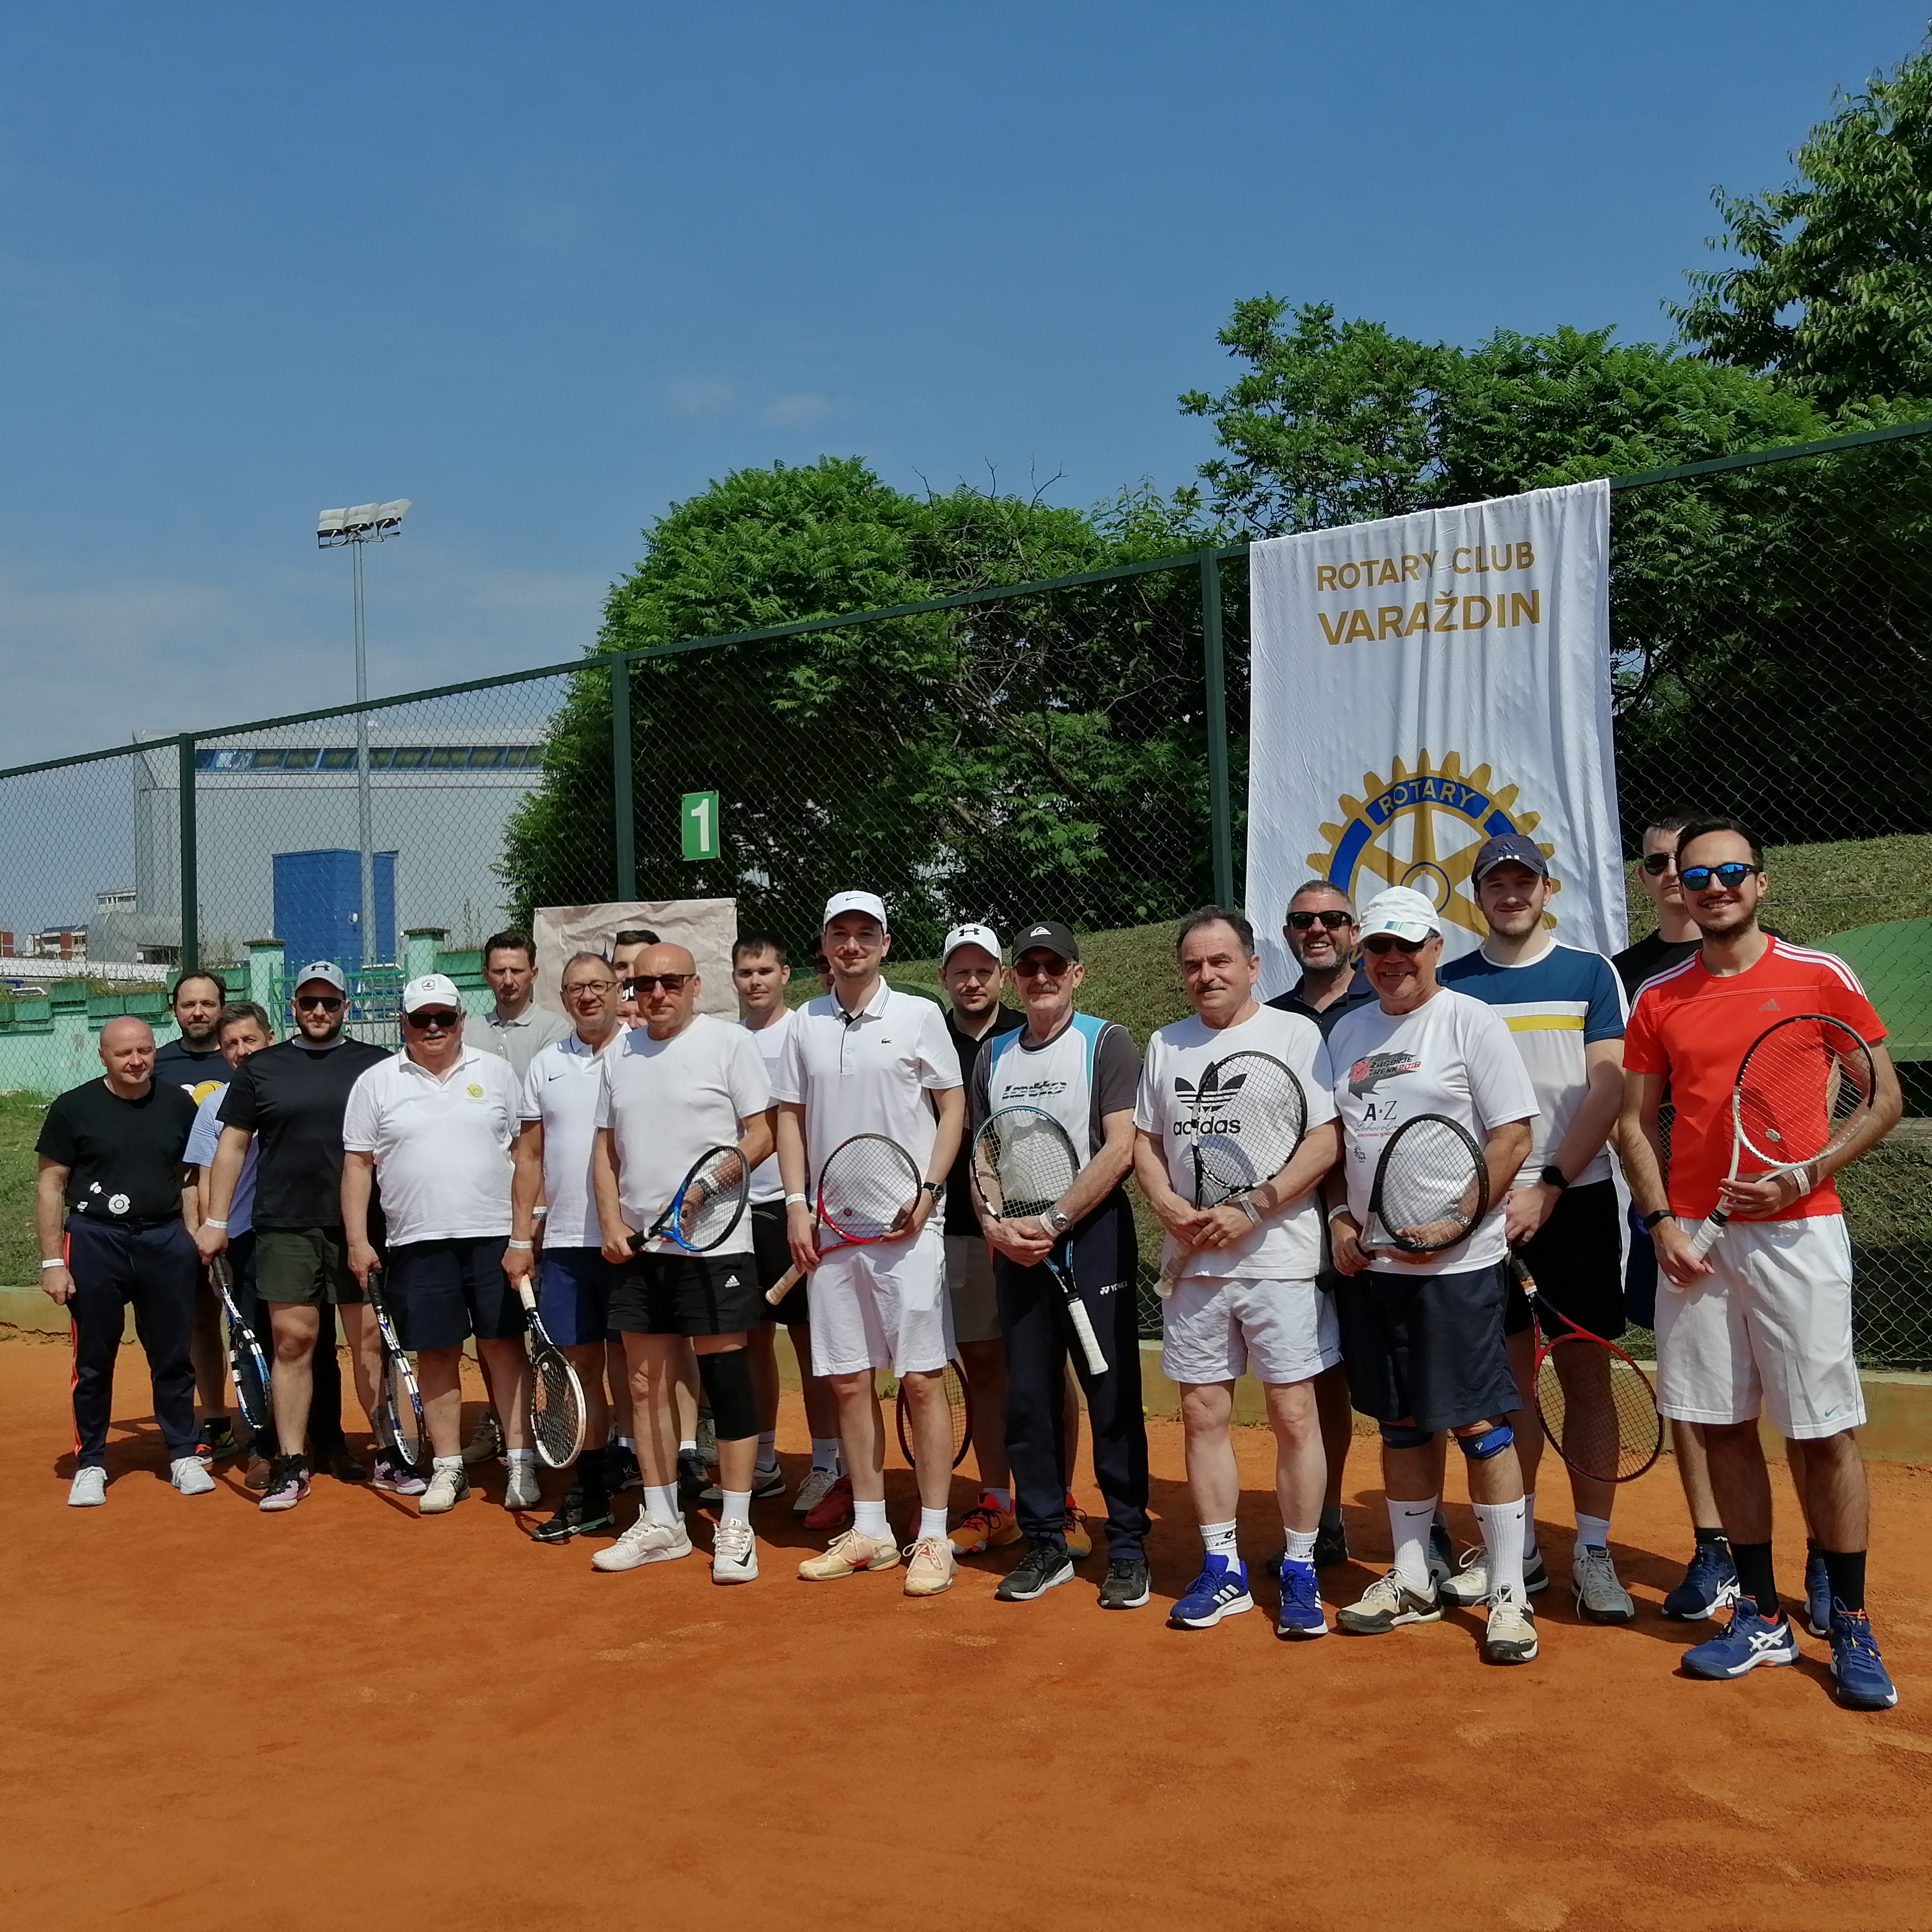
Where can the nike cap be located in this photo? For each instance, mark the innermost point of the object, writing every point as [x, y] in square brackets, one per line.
[983, 936]
[433, 989]
[1509, 848]
[1402, 911]
[1050, 935]
[870, 903]
[326, 971]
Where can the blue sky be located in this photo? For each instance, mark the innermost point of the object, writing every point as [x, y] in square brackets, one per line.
[546, 271]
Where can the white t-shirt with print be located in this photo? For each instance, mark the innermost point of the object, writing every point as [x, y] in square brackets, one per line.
[562, 1089]
[1287, 1247]
[1452, 1056]
[666, 1101]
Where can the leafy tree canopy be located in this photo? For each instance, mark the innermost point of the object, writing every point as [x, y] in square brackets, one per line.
[1833, 293]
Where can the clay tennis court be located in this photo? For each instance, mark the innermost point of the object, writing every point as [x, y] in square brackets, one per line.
[348, 1716]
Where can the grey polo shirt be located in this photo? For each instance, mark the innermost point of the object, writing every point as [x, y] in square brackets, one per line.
[519, 1041]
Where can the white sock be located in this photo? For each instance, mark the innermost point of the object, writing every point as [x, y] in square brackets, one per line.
[661, 1505]
[1003, 1498]
[1408, 1531]
[932, 1521]
[1301, 1545]
[1502, 1538]
[515, 1455]
[768, 1447]
[1529, 1524]
[869, 1518]
[737, 1506]
[1593, 1531]
[688, 1446]
[629, 1442]
[448, 1463]
[1218, 1540]
[825, 1453]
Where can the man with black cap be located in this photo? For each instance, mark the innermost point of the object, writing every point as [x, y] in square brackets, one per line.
[1084, 1073]
[1565, 1010]
[290, 1098]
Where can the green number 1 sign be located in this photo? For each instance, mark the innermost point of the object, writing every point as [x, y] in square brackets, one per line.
[701, 825]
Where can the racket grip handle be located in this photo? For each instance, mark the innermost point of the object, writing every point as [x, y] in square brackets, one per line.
[1089, 1343]
[1164, 1281]
[783, 1286]
[529, 1299]
[1706, 1238]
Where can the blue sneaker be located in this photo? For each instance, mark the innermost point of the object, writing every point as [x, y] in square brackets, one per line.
[1818, 1605]
[1221, 1590]
[1746, 1642]
[1301, 1603]
[1710, 1582]
[1862, 1684]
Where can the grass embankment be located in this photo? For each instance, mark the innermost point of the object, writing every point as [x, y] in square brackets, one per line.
[20, 1117]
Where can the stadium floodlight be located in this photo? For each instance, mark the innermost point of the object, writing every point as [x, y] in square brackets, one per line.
[362, 523]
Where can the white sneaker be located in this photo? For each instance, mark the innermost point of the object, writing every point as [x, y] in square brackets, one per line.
[734, 1554]
[187, 1475]
[1510, 1637]
[89, 1489]
[523, 1492]
[645, 1542]
[447, 1488]
[1470, 1586]
[811, 1492]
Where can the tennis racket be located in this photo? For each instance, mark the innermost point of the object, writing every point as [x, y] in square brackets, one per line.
[867, 1191]
[710, 1203]
[1431, 1186]
[1249, 1115]
[402, 1401]
[1804, 1087]
[1023, 1161]
[246, 1361]
[558, 1417]
[959, 1403]
[1596, 1406]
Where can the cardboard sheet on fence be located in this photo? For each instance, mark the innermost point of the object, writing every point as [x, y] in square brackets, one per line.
[707, 926]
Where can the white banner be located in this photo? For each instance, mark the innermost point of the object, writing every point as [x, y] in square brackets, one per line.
[705, 928]
[1421, 684]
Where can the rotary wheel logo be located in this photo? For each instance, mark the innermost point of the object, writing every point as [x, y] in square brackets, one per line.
[1423, 828]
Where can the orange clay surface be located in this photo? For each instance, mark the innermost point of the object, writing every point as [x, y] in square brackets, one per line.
[349, 1717]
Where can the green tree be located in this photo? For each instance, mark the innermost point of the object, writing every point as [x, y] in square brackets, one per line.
[1042, 752]
[1833, 293]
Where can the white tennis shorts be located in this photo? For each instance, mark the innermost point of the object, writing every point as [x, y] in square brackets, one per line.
[1214, 1328]
[883, 1305]
[1768, 1331]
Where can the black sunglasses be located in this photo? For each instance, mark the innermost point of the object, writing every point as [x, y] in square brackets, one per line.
[1657, 863]
[1299, 922]
[643, 983]
[1384, 942]
[325, 1003]
[1730, 876]
[433, 1016]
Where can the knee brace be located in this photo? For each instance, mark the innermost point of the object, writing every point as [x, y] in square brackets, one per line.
[1406, 1435]
[726, 1377]
[1491, 1442]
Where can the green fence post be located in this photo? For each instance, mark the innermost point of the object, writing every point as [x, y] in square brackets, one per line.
[190, 882]
[1220, 807]
[622, 803]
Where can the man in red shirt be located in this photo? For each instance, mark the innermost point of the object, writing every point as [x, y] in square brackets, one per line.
[1764, 1320]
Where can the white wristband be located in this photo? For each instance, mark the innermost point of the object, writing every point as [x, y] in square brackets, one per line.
[46, 1265]
[1340, 1209]
[522, 1247]
[798, 1200]
[212, 1222]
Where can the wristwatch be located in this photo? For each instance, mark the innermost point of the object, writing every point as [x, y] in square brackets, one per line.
[1054, 1221]
[1650, 1220]
[1553, 1176]
[934, 1188]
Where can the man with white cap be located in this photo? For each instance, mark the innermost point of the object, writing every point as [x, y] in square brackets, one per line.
[290, 1098]
[971, 970]
[864, 1059]
[1423, 1334]
[436, 1125]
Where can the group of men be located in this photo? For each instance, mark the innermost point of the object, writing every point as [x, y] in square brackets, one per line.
[544, 1151]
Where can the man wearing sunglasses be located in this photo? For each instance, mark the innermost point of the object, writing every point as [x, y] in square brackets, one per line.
[291, 1099]
[435, 1126]
[1423, 1333]
[1761, 1324]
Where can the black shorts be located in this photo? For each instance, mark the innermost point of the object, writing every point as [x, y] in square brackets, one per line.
[772, 1248]
[308, 1266]
[687, 1295]
[1576, 1259]
[444, 1292]
[1428, 1348]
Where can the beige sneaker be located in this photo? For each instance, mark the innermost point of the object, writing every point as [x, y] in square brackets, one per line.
[929, 1567]
[849, 1553]
[646, 1541]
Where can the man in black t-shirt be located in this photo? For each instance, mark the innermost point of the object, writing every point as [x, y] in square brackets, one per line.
[194, 1061]
[292, 1098]
[970, 971]
[111, 1167]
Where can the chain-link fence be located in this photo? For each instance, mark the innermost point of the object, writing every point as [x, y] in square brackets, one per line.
[1062, 749]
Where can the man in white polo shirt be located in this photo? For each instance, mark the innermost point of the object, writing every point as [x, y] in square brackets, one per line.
[681, 1084]
[434, 1125]
[864, 1059]
[561, 1093]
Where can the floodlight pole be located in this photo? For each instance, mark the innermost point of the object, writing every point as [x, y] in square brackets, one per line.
[364, 810]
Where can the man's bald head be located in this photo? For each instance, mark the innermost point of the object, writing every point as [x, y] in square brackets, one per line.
[665, 1010]
[128, 1052]
[664, 958]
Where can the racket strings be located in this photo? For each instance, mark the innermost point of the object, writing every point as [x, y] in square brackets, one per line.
[868, 1188]
[403, 1419]
[1025, 1166]
[1597, 1409]
[710, 1203]
[556, 1407]
[1251, 1115]
[1428, 1176]
[1802, 1086]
